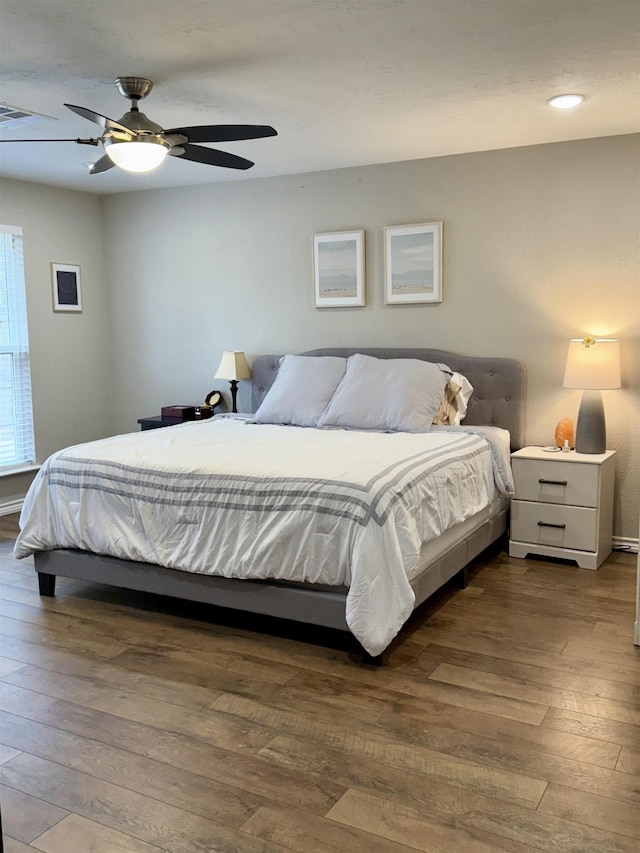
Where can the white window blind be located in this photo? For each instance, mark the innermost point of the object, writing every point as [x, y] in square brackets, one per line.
[16, 412]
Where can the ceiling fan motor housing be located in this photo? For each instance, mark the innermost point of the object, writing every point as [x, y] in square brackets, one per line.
[139, 123]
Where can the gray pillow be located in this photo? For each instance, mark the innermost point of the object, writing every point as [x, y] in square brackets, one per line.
[395, 394]
[301, 390]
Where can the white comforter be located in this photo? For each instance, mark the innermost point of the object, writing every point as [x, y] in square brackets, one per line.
[224, 497]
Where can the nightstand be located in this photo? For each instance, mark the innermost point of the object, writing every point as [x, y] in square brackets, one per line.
[563, 505]
[203, 413]
[155, 422]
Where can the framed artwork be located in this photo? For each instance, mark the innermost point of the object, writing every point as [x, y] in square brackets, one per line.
[338, 265]
[413, 263]
[65, 284]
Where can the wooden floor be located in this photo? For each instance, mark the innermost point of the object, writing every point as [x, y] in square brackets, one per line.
[507, 719]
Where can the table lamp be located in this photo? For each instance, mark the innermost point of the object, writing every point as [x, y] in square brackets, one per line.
[233, 366]
[593, 364]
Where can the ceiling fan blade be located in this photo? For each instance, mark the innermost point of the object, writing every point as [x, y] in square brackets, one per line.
[224, 132]
[78, 140]
[212, 157]
[103, 121]
[102, 165]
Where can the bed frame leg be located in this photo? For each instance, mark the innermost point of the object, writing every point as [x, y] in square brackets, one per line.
[462, 578]
[46, 583]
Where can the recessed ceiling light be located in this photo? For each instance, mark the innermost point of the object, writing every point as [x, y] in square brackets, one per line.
[565, 102]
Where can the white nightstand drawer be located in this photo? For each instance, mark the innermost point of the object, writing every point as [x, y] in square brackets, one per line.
[558, 526]
[556, 482]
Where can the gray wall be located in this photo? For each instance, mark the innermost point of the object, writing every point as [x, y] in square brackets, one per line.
[540, 245]
[70, 369]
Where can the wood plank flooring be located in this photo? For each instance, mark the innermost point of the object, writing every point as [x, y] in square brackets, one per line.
[506, 719]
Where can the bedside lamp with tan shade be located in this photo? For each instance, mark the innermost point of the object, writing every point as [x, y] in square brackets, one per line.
[233, 366]
[593, 364]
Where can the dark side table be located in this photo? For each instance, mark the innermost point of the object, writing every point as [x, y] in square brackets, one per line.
[155, 422]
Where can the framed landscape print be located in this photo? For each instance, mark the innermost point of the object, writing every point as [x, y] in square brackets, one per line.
[65, 284]
[413, 263]
[338, 266]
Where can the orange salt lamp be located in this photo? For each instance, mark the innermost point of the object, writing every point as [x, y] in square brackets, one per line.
[565, 431]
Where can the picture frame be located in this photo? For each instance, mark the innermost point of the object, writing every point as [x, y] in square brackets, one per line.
[413, 263]
[338, 269]
[65, 287]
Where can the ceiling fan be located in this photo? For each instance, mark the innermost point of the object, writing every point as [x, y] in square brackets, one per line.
[137, 144]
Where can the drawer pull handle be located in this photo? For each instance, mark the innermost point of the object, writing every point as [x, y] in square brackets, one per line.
[553, 482]
[548, 524]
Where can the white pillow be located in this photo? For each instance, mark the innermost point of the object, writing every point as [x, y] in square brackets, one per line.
[462, 397]
[302, 390]
[453, 406]
[397, 394]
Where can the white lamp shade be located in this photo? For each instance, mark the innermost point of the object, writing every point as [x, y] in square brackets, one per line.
[135, 156]
[595, 367]
[233, 365]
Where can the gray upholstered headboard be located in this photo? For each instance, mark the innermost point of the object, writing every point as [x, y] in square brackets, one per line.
[499, 383]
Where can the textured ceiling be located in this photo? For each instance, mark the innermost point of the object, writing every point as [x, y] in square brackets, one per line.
[345, 83]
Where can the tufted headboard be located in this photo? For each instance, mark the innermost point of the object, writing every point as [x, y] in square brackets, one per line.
[499, 383]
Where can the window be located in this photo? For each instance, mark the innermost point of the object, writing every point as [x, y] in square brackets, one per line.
[16, 414]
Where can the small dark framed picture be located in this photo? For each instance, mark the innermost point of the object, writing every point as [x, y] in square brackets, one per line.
[65, 284]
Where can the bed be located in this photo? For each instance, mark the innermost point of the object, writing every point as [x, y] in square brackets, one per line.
[363, 593]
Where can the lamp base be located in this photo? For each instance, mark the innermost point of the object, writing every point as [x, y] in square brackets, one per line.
[591, 431]
[234, 394]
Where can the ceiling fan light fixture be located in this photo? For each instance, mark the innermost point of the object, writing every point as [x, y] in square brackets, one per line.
[137, 155]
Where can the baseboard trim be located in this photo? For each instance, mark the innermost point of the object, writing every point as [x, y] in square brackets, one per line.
[11, 506]
[625, 543]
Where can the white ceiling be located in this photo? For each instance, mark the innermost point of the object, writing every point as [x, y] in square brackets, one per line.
[345, 82]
